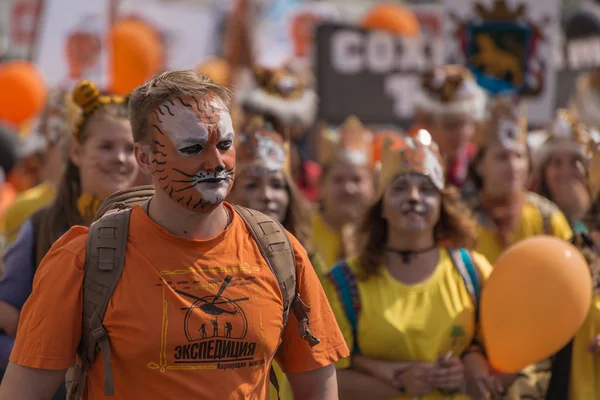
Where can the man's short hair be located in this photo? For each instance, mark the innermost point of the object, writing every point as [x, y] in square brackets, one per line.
[149, 95]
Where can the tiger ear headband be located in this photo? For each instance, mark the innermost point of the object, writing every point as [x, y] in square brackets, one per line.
[87, 96]
[418, 155]
[259, 143]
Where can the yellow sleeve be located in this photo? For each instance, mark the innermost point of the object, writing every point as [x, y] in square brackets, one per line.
[485, 270]
[484, 266]
[340, 316]
[318, 264]
[560, 226]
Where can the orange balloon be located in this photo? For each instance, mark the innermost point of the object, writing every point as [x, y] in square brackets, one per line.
[534, 302]
[136, 54]
[392, 18]
[217, 68]
[23, 93]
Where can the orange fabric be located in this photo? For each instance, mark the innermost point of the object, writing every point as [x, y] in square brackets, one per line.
[163, 341]
[8, 193]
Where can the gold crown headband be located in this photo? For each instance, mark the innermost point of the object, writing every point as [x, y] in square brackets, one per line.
[87, 96]
[412, 155]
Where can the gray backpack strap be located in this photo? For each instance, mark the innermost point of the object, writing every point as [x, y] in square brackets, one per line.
[277, 250]
[125, 198]
[105, 258]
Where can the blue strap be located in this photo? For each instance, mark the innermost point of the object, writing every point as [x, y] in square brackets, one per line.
[341, 275]
[466, 257]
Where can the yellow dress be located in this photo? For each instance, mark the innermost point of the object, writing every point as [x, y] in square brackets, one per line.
[326, 241]
[400, 322]
[539, 217]
[585, 366]
[25, 205]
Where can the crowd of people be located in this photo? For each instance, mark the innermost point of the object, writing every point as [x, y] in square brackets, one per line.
[179, 242]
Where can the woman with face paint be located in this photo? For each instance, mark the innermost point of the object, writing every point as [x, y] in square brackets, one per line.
[406, 304]
[346, 188]
[450, 104]
[506, 212]
[561, 165]
[263, 180]
[100, 162]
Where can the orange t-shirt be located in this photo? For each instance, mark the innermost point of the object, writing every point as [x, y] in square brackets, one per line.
[188, 320]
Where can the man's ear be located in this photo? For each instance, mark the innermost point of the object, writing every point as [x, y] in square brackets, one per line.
[75, 153]
[143, 156]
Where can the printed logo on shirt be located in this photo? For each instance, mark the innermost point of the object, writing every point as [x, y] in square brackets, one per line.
[211, 329]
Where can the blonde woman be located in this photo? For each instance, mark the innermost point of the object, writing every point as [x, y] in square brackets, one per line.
[346, 188]
[100, 162]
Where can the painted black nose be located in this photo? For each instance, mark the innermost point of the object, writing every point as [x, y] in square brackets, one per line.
[220, 168]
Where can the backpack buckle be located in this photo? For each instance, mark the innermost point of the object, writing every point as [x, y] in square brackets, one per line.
[100, 334]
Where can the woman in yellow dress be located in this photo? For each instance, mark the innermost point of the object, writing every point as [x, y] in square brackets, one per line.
[407, 303]
[561, 165]
[507, 212]
[346, 188]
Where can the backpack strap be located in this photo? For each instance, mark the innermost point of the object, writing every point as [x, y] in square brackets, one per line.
[344, 282]
[464, 264]
[105, 258]
[125, 198]
[277, 250]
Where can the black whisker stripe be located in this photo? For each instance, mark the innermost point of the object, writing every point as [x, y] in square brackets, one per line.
[184, 180]
[179, 200]
[159, 143]
[160, 111]
[166, 187]
[162, 178]
[183, 173]
[159, 170]
[171, 192]
[159, 152]
[188, 202]
[157, 117]
[171, 101]
[197, 105]
[183, 103]
[187, 187]
[158, 162]
[197, 204]
[169, 110]
[157, 128]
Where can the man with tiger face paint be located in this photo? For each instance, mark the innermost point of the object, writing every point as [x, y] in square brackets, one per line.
[193, 155]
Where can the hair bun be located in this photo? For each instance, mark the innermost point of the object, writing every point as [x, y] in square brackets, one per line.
[86, 95]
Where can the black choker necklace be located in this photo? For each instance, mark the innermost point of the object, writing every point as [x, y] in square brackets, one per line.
[408, 254]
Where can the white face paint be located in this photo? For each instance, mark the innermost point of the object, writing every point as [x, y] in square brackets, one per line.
[195, 157]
